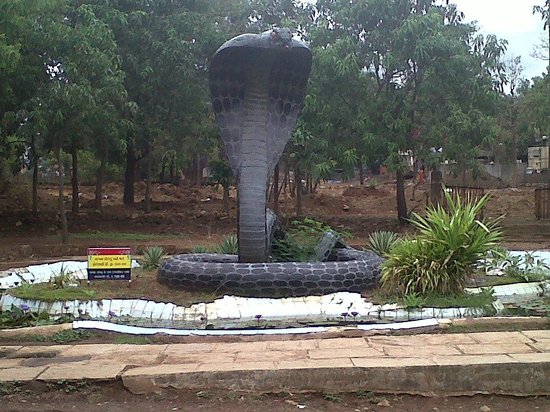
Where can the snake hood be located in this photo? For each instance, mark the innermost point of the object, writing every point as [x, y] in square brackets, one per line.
[232, 70]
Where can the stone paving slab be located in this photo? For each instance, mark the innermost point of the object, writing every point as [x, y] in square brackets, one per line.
[492, 362]
[83, 371]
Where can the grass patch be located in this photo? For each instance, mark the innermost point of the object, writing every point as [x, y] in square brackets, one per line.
[131, 340]
[463, 300]
[122, 236]
[489, 281]
[46, 293]
[144, 286]
[499, 280]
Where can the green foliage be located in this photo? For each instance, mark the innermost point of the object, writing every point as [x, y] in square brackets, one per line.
[220, 173]
[70, 335]
[89, 165]
[17, 317]
[382, 241]
[47, 293]
[524, 268]
[229, 246]
[413, 300]
[332, 397]
[444, 252]
[290, 250]
[22, 317]
[131, 340]
[484, 299]
[62, 279]
[199, 249]
[300, 242]
[68, 386]
[9, 388]
[152, 257]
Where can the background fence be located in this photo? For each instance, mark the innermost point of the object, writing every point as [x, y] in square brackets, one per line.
[542, 203]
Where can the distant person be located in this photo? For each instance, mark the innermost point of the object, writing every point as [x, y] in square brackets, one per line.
[420, 178]
[421, 175]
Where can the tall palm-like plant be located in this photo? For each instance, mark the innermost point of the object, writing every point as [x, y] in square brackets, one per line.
[448, 245]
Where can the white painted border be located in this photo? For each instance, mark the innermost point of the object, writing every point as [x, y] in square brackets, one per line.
[137, 330]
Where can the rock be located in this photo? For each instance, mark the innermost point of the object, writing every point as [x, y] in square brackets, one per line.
[134, 216]
[485, 408]
[18, 223]
[384, 402]
[345, 207]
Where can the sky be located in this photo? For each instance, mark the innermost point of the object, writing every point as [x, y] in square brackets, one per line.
[512, 20]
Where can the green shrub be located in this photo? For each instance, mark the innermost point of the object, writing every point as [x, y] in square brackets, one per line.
[290, 250]
[229, 246]
[382, 241]
[62, 279]
[445, 251]
[17, 317]
[70, 335]
[301, 240]
[152, 257]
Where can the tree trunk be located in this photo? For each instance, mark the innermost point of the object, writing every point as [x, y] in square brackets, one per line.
[402, 212]
[198, 171]
[148, 177]
[436, 186]
[61, 197]
[298, 185]
[361, 174]
[276, 189]
[226, 202]
[253, 178]
[513, 121]
[130, 174]
[74, 179]
[34, 177]
[172, 170]
[163, 171]
[100, 177]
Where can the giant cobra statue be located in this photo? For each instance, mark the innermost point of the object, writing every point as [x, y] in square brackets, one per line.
[257, 86]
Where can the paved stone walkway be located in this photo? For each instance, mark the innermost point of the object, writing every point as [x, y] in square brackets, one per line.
[489, 362]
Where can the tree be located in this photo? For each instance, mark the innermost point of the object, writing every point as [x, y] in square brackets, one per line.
[21, 73]
[544, 12]
[164, 47]
[82, 71]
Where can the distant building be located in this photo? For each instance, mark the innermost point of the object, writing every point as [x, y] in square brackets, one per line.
[537, 159]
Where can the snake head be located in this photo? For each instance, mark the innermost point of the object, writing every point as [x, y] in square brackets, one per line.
[281, 37]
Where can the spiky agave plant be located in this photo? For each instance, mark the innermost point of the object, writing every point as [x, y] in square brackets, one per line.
[152, 257]
[229, 246]
[445, 251]
[382, 241]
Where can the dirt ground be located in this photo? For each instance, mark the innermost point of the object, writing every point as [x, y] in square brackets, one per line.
[184, 217]
[113, 397]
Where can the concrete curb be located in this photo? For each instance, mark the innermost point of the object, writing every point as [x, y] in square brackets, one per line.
[525, 379]
[512, 363]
